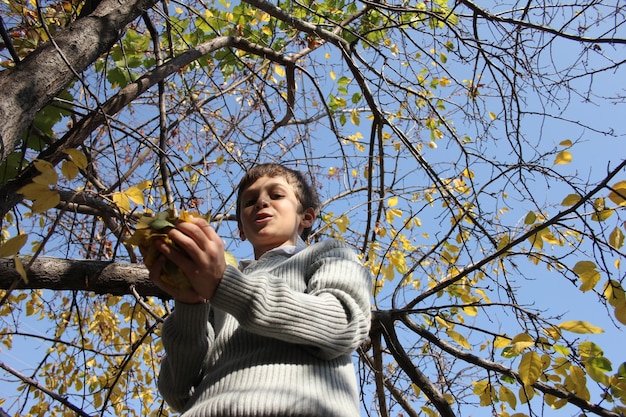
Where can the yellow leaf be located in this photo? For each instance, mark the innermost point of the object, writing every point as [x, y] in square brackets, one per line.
[587, 273]
[459, 339]
[78, 157]
[121, 201]
[333, 76]
[566, 142]
[601, 213]
[501, 342]
[45, 201]
[485, 391]
[520, 343]
[48, 175]
[19, 267]
[554, 402]
[470, 311]
[530, 218]
[563, 157]
[144, 184]
[618, 193]
[230, 259]
[355, 117]
[536, 239]
[581, 327]
[398, 260]
[444, 324]
[578, 381]
[342, 223]
[530, 368]
[135, 195]
[570, 200]
[550, 238]
[279, 70]
[620, 312]
[614, 293]
[507, 396]
[492, 115]
[32, 191]
[526, 394]
[392, 202]
[392, 214]
[12, 246]
[69, 170]
[616, 238]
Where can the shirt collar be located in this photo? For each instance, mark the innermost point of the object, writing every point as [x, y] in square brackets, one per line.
[288, 250]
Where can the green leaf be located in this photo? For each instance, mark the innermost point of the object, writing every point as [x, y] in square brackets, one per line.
[597, 368]
[590, 350]
[160, 224]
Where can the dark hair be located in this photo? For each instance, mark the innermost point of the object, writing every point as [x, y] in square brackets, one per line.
[305, 193]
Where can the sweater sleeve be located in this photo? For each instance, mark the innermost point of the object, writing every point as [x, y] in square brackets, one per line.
[330, 318]
[187, 337]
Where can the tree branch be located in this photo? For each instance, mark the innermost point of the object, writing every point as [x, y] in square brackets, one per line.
[100, 277]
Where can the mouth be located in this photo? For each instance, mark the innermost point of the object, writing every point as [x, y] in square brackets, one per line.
[262, 217]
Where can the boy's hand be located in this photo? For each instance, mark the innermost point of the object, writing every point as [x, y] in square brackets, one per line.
[200, 257]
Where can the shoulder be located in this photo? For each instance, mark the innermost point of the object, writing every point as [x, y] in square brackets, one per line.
[330, 248]
[329, 244]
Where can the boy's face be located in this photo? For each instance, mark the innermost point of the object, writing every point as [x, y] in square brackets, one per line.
[270, 214]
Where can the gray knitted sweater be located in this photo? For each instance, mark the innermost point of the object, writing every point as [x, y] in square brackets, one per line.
[276, 339]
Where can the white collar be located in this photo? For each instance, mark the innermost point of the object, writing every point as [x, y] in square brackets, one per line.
[288, 250]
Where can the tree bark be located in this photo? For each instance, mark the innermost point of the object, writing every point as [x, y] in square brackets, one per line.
[99, 277]
[35, 81]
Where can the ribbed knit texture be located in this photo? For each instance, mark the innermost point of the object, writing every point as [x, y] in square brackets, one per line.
[279, 342]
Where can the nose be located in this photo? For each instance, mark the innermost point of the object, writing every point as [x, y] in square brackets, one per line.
[261, 202]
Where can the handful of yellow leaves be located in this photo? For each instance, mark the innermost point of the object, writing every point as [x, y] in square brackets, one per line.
[153, 227]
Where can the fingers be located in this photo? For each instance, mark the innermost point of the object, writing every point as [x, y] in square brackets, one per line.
[196, 237]
[187, 295]
[198, 253]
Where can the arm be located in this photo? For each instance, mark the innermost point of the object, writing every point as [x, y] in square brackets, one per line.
[332, 315]
[186, 336]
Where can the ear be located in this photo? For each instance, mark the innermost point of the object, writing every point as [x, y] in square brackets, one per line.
[242, 236]
[308, 218]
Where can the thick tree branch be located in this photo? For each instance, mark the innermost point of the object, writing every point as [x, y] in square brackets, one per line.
[36, 80]
[100, 277]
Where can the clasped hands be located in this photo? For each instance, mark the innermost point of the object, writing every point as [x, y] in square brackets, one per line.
[199, 255]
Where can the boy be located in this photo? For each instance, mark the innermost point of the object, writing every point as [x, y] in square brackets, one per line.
[274, 338]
